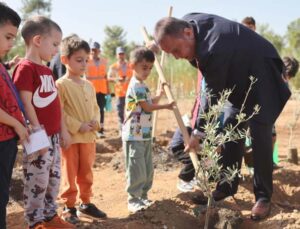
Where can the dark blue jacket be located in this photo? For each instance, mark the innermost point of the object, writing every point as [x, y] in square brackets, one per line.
[227, 53]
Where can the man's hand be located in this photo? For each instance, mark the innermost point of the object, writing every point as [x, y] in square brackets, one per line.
[193, 145]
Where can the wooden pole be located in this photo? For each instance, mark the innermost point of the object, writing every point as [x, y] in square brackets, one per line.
[170, 97]
[162, 60]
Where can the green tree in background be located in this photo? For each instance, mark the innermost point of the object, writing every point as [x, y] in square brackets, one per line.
[36, 7]
[29, 8]
[278, 41]
[115, 36]
[293, 38]
[293, 49]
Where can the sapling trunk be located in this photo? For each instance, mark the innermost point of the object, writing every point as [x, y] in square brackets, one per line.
[209, 201]
[209, 172]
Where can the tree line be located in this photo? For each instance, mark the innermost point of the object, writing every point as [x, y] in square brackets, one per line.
[286, 45]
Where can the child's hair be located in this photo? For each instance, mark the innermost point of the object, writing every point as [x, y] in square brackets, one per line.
[248, 21]
[38, 25]
[141, 53]
[73, 43]
[8, 15]
[291, 66]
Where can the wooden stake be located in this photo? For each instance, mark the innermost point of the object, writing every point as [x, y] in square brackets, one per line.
[170, 97]
[162, 60]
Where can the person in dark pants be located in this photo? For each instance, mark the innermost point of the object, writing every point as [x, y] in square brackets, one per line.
[97, 74]
[186, 182]
[187, 173]
[120, 74]
[228, 53]
[12, 123]
[57, 67]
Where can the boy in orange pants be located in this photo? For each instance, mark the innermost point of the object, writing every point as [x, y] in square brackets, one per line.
[81, 114]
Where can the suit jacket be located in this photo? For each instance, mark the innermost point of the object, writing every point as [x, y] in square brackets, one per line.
[227, 53]
[57, 67]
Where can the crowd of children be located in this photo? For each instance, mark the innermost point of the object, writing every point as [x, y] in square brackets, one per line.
[73, 101]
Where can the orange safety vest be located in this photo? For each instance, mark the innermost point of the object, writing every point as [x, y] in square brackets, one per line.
[97, 75]
[125, 74]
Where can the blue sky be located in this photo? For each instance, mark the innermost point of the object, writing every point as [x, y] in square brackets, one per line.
[87, 18]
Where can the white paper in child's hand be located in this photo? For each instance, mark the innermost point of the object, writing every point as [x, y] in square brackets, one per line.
[37, 141]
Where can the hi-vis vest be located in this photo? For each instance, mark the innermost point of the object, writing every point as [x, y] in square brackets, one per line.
[125, 74]
[97, 75]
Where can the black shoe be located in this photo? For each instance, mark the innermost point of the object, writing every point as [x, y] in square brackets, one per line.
[276, 166]
[101, 133]
[202, 200]
[90, 211]
[69, 215]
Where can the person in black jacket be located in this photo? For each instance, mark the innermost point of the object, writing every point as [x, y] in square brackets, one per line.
[57, 67]
[228, 53]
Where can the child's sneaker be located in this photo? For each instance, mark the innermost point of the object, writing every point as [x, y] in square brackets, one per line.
[184, 186]
[101, 133]
[90, 211]
[57, 222]
[147, 202]
[69, 215]
[135, 205]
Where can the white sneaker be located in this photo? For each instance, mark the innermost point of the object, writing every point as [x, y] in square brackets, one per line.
[136, 205]
[147, 202]
[194, 183]
[100, 135]
[184, 186]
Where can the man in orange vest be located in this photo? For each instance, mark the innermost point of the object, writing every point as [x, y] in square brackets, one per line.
[120, 73]
[96, 73]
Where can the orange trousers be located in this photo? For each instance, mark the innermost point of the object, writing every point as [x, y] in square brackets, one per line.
[77, 175]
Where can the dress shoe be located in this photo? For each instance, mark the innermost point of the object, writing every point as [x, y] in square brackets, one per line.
[202, 200]
[261, 209]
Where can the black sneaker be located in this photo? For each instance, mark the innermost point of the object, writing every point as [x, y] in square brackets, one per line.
[90, 211]
[69, 215]
[100, 133]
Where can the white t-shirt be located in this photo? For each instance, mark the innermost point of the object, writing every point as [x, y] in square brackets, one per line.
[138, 123]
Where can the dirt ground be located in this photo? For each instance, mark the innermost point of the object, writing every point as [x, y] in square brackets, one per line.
[173, 209]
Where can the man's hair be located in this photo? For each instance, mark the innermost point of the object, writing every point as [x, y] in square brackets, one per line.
[169, 26]
[291, 66]
[141, 53]
[8, 15]
[248, 21]
[38, 25]
[72, 44]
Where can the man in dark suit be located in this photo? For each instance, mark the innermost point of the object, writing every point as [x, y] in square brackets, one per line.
[227, 53]
[57, 67]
